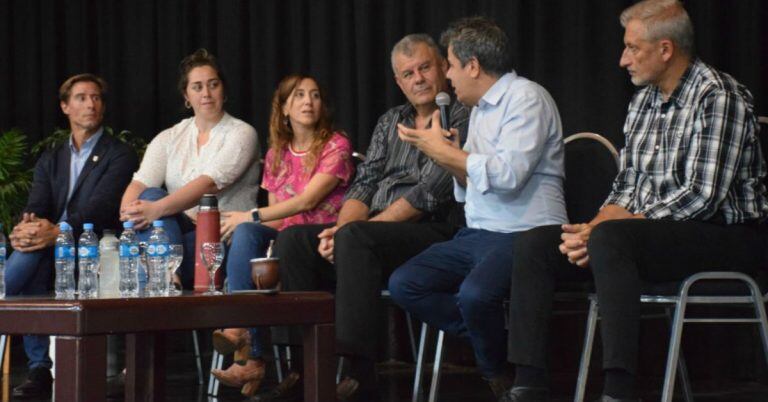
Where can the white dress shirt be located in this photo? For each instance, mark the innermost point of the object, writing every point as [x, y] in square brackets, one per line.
[515, 168]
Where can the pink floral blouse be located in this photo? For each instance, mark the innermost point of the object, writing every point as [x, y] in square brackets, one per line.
[335, 159]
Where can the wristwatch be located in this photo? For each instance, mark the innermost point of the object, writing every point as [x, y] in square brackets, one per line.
[255, 215]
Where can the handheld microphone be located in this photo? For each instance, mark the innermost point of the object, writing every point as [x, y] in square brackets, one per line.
[443, 100]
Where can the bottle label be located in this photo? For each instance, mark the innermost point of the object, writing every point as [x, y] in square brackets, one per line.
[2, 253]
[65, 252]
[157, 250]
[88, 251]
[129, 250]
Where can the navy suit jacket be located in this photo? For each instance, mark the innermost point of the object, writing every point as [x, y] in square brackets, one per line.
[98, 191]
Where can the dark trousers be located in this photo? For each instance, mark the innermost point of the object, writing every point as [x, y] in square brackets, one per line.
[365, 253]
[459, 286]
[623, 255]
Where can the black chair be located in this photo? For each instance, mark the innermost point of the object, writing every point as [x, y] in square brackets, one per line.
[591, 164]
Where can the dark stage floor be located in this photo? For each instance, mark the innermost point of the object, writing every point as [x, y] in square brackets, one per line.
[458, 384]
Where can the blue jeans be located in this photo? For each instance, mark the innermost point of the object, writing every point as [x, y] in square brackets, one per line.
[31, 274]
[174, 227]
[459, 286]
[250, 240]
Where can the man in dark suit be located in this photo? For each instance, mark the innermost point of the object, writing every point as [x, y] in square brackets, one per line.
[79, 181]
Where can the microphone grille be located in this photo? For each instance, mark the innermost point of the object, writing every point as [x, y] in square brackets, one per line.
[443, 99]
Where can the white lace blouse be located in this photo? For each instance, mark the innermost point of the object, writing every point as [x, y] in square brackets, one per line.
[230, 158]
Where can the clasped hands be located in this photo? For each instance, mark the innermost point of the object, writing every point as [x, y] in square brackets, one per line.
[33, 233]
[574, 245]
[141, 212]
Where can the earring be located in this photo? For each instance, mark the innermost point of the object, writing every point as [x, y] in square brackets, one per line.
[187, 104]
[286, 121]
[225, 99]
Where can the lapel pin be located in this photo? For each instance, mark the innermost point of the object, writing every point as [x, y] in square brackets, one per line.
[95, 158]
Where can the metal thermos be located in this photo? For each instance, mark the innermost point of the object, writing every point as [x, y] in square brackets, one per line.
[207, 231]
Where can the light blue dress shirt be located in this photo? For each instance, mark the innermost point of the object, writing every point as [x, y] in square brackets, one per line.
[77, 160]
[515, 168]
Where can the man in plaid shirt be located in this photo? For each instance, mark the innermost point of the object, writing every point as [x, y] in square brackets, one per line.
[689, 197]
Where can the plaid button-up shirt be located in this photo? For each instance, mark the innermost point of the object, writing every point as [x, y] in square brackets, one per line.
[695, 155]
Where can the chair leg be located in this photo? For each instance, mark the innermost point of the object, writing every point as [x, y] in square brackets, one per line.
[288, 356]
[339, 369]
[217, 361]
[198, 359]
[3, 341]
[411, 336]
[674, 350]
[586, 354]
[684, 379]
[434, 386]
[761, 315]
[682, 368]
[278, 363]
[417, 375]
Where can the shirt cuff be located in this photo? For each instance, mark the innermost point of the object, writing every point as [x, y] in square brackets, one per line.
[623, 200]
[360, 193]
[657, 211]
[477, 172]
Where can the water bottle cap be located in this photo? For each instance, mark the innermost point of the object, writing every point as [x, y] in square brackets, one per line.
[128, 225]
[64, 226]
[157, 224]
[87, 226]
[209, 200]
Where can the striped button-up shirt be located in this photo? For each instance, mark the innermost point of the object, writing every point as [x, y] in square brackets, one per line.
[394, 169]
[695, 155]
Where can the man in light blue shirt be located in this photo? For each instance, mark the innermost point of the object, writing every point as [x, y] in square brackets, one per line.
[509, 174]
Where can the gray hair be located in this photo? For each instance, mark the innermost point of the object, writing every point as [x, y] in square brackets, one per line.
[663, 19]
[482, 39]
[406, 46]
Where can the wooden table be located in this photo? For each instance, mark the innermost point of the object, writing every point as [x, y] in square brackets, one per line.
[81, 327]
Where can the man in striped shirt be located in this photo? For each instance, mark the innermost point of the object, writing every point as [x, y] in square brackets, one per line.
[395, 207]
[689, 197]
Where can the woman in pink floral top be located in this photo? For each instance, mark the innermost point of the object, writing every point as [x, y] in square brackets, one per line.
[306, 171]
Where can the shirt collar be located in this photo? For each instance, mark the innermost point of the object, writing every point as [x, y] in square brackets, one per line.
[682, 93]
[88, 145]
[497, 90]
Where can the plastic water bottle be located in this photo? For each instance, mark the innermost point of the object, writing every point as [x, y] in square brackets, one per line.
[88, 268]
[157, 261]
[109, 273]
[129, 261]
[2, 262]
[65, 262]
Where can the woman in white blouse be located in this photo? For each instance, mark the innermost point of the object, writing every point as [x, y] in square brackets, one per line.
[209, 153]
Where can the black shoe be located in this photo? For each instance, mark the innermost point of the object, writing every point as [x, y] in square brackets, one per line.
[606, 398]
[38, 384]
[525, 394]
